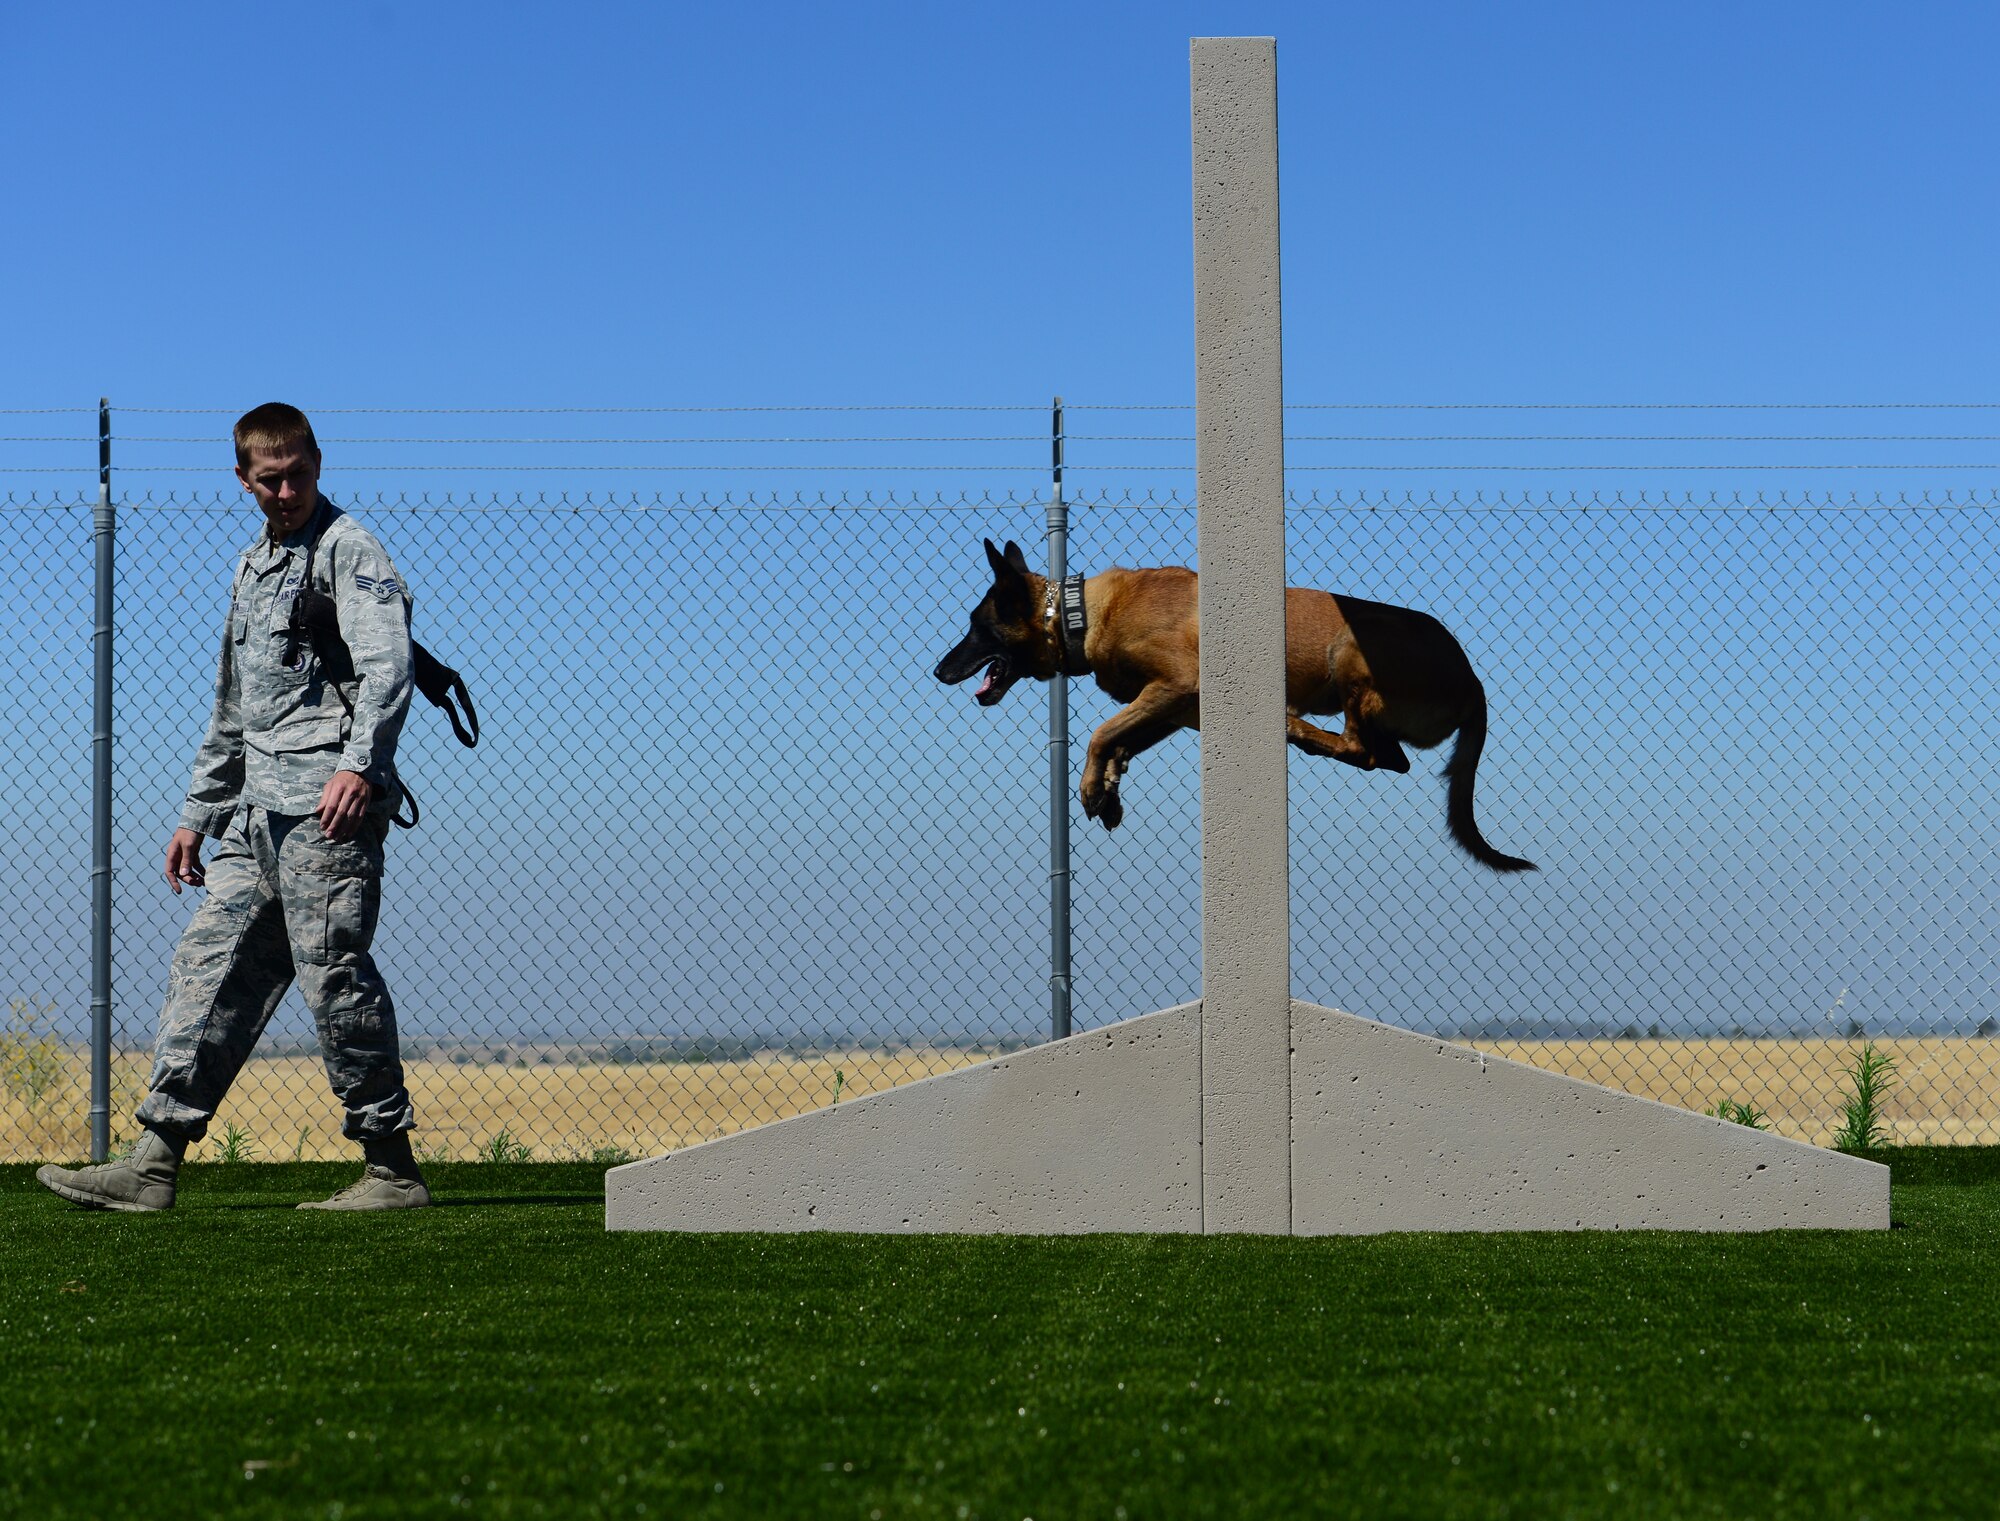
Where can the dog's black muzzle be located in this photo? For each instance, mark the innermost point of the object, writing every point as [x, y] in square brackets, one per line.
[968, 658]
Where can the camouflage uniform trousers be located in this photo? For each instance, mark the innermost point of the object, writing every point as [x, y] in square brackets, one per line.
[283, 902]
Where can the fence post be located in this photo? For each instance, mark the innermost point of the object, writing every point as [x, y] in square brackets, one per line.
[1059, 869]
[105, 533]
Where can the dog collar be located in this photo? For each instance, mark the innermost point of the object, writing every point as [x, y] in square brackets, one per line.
[1065, 613]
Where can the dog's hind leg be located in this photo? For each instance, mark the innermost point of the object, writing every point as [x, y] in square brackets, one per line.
[1386, 749]
[1346, 746]
[1364, 741]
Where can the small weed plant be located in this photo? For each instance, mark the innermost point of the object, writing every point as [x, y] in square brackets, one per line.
[236, 1144]
[609, 1156]
[504, 1148]
[1869, 1079]
[1738, 1113]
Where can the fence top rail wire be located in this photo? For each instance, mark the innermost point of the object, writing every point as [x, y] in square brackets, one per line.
[1363, 500]
[207, 439]
[566, 502]
[1445, 438]
[1400, 469]
[1567, 406]
[683, 467]
[1090, 406]
[851, 438]
[716, 467]
[607, 411]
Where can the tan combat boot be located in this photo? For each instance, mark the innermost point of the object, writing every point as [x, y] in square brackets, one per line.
[391, 1180]
[140, 1182]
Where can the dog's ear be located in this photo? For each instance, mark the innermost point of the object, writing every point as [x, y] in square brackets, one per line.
[1009, 597]
[1007, 566]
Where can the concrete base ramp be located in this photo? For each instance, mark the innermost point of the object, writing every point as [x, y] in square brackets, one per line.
[1391, 1131]
[1395, 1131]
[1099, 1132]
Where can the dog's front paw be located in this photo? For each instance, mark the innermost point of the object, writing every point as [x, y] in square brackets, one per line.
[1101, 803]
[1110, 810]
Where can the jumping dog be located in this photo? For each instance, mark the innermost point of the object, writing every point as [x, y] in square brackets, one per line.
[1397, 676]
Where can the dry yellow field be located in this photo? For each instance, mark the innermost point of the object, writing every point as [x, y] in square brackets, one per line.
[466, 1109]
[1945, 1091]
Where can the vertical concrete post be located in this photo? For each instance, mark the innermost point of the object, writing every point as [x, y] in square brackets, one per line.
[1240, 491]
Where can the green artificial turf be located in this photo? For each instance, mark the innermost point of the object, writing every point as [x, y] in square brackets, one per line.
[502, 1356]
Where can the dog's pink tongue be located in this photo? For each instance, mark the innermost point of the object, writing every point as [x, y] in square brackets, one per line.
[986, 683]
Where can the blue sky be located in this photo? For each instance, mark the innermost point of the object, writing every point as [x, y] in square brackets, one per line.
[604, 205]
[645, 204]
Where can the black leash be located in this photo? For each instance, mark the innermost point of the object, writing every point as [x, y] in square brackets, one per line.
[315, 621]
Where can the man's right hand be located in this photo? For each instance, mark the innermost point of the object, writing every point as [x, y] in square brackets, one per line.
[184, 860]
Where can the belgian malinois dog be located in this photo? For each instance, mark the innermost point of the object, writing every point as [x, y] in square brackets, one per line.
[1397, 676]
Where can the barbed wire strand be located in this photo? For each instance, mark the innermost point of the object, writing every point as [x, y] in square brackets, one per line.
[152, 469]
[209, 440]
[1900, 465]
[1566, 438]
[599, 411]
[1567, 406]
[1302, 406]
[854, 438]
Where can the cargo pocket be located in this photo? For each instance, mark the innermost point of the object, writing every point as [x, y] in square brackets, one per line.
[332, 892]
[364, 1026]
[345, 919]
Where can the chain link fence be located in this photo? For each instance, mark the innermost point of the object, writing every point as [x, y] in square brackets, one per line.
[727, 851]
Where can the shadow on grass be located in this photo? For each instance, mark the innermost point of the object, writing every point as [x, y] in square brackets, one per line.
[513, 1200]
[452, 1183]
[449, 1201]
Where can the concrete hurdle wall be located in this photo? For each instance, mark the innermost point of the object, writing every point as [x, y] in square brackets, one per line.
[1246, 941]
[1247, 1111]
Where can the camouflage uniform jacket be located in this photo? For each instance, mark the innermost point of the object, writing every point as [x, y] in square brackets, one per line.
[279, 731]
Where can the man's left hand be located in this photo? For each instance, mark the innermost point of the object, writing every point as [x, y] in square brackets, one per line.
[342, 805]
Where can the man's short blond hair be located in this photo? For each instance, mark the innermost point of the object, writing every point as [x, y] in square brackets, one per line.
[276, 428]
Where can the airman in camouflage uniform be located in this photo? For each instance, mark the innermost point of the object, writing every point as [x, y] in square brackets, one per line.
[297, 778]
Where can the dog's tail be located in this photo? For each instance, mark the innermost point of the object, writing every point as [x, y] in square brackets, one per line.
[1458, 798]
